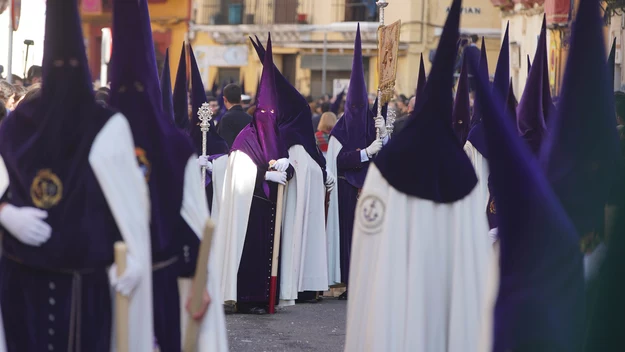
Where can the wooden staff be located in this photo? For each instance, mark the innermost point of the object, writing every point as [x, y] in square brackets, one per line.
[198, 287]
[122, 302]
[273, 286]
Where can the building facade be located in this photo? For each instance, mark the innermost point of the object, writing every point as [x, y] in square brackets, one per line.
[309, 35]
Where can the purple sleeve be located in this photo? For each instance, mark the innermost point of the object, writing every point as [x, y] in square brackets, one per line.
[347, 160]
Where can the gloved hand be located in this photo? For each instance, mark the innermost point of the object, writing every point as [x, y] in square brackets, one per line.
[379, 123]
[374, 148]
[330, 181]
[203, 161]
[281, 165]
[129, 280]
[26, 224]
[276, 177]
[493, 234]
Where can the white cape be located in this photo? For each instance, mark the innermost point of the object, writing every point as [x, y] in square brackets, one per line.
[480, 164]
[237, 193]
[123, 185]
[303, 256]
[332, 226]
[219, 174]
[418, 272]
[213, 335]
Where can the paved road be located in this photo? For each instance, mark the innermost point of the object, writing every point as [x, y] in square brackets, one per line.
[303, 327]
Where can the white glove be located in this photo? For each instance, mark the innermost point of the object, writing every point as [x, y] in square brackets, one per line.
[379, 123]
[203, 161]
[281, 165]
[276, 177]
[26, 224]
[493, 234]
[374, 148]
[330, 181]
[129, 280]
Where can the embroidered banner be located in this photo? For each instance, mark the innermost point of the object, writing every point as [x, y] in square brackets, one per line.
[388, 49]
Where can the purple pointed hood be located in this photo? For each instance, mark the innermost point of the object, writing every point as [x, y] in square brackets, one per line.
[476, 134]
[336, 105]
[215, 145]
[261, 139]
[168, 101]
[180, 96]
[612, 59]
[531, 113]
[540, 303]
[581, 155]
[461, 115]
[356, 129]
[426, 160]
[511, 104]
[56, 129]
[422, 79]
[162, 151]
[501, 82]
[294, 114]
[529, 64]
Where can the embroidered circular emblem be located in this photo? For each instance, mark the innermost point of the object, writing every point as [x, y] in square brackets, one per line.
[370, 213]
[144, 163]
[46, 190]
[491, 207]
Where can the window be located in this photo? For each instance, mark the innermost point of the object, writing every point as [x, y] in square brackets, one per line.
[361, 11]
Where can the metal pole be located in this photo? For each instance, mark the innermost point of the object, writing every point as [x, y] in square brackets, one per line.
[324, 62]
[381, 5]
[10, 59]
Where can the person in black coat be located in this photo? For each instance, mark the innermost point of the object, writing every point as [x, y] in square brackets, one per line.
[235, 119]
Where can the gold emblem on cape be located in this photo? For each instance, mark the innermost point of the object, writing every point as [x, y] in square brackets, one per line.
[144, 163]
[491, 207]
[46, 190]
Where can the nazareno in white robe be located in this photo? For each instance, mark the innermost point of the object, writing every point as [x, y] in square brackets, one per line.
[419, 272]
[303, 253]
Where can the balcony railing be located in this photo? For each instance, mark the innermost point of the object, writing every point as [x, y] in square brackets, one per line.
[259, 12]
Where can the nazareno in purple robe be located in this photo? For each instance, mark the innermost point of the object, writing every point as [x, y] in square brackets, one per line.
[58, 295]
[163, 152]
[262, 143]
[356, 131]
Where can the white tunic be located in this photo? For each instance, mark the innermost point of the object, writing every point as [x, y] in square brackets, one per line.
[303, 254]
[332, 227]
[418, 272]
[480, 164]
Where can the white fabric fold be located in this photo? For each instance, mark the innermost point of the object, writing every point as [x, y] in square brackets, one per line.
[219, 174]
[332, 226]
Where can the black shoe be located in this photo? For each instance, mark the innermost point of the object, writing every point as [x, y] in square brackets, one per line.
[256, 310]
[343, 296]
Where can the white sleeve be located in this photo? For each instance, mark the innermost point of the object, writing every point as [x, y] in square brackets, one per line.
[194, 208]
[363, 156]
[4, 177]
[112, 159]
[385, 140]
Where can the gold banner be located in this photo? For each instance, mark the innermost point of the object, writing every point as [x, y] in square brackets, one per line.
[388, 49]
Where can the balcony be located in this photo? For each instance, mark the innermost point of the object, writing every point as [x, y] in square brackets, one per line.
[253, 12]
[355, 11]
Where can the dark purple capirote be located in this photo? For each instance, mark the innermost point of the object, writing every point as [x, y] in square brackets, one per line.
[581, 155]
[336, 104]
[612, 58]
[422, 79]
[294, 114]
[180, 95]
[426, 160]
[540, 304]
[476, 134]
[215, 145]
[501, 82]
[461, 114]
[356, 129]
[53, 135]
[535, 103]
[168, 101]
[260, 140]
